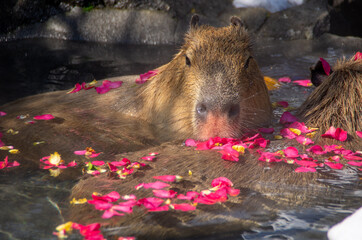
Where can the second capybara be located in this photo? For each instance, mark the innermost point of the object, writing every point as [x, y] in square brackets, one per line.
[337, 101]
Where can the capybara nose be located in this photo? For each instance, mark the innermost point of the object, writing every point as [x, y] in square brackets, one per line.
[229, 110]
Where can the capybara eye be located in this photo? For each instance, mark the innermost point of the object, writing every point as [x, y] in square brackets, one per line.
[188, 62]
[201, 110]
[234, 110]
[246, 65]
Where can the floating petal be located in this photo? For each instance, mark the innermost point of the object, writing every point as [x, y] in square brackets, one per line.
[44, 117]
[304, 83]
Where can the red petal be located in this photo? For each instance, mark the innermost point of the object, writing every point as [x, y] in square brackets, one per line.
[81, 152]
[326, 67]
[304, 140]
[148, 158]
[353, 157]
[357, 56]
[287, 117]
[44, 117]
[144, 77]
[98, 163]
[283, 104]
[334, 133]
[266, 130]
[287, 133]
[76, 88]
[306, 163]
[150, 202]
[2, 114]
[221, 182]
[159, 209]
[110, 213]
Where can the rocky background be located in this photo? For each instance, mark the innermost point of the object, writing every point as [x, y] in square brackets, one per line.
[165, 21]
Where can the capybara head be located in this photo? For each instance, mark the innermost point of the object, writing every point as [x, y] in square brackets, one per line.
[212, 87]
[337, 101]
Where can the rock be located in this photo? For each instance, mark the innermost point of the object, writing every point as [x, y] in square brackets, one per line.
[294, 23]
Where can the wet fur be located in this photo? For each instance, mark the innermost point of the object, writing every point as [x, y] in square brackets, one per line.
[337, 102]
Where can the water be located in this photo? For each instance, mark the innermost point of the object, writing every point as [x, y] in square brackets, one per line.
[33, 203]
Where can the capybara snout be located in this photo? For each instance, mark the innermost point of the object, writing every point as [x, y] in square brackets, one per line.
[212, 87]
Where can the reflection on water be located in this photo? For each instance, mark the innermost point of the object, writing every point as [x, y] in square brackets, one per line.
[32, 202]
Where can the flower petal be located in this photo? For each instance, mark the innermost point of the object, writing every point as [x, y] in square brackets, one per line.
[305, 169]
[304, 83]
[285, 79]
[183, 207]
[164, 193]
[287, 117]
[334, 165]
[326, 66]
[44, 117]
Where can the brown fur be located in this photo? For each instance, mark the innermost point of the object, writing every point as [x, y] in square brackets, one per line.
[337, 102]
[217, 57]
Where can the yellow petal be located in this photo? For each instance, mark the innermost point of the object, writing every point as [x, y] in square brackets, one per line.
[6, 148]
[66, 226]
[55, 172]
[271, 83]
[190, 173]
[239, 148]
[78, 201]
[14, 151]
[296, 131]
[55, 159]
[278, 137]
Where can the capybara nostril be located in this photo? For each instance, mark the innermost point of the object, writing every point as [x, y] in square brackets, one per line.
[233, 110]
[201, 110]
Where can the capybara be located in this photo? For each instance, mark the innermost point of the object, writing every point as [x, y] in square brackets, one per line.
[212, 87]
[337, 101]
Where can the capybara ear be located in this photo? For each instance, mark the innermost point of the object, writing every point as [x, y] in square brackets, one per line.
[317, 74]
[194, 21]
[235, 21]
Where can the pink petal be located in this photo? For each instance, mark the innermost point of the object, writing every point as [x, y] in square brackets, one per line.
[221, 182]
[228, 153]
[190, 142]
[283, 104]
[291, 152]
[82, 152]
[102, 89]
[285, 79]
[123, 162]
[110, 197]
[353, 157]
[305, 169]
[156, 185]
[164, 193]
[159, 209]
[359, 134]
[129, 197]
[150, 203]
[232, 191]
[301, 126]
[110, 213]
[287, 117]
[166, 178]
[123, 208]
[266, 130]
[357, 56]
[352, 163]
[184, 207]
[316, 149]
[98, 163]
[189, 195]
[326, 67]
[304, 83]
[334, 165]
[100, 205]
[148, 158]
[72, 164]
[259, 142]
[304, 140]
[126, 238]
[144, 77]
[306, 163]
[112, 85]
[44, 117]
[287, 133]
[334, 133]
[76, 88]
[2, 114]
[268, 157]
